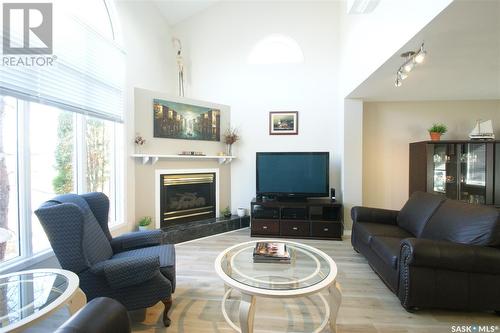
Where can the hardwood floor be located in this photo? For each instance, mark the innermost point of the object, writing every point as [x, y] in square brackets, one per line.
[368, 305]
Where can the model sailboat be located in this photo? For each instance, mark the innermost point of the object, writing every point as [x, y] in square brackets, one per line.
[482, 131]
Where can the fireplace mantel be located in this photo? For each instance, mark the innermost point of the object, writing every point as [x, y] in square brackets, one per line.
[145, 158]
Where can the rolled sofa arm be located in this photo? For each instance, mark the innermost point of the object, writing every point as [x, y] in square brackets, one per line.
[374, 215]
[100, 315]
[447, 255]
[133, 240]
[125, 272]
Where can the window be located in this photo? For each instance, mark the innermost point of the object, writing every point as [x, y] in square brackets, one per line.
[103, 152]
[58, 152]
[9, 223]
[50, 162]
[61, 127]
[276, 49]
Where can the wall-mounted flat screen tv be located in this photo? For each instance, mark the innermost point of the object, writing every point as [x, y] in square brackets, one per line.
[293, 174]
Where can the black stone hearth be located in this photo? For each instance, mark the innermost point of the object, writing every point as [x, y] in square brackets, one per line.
[186, 231]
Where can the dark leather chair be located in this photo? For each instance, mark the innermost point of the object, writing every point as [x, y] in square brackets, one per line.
[136, 268]
[434, 253]
[100, 315]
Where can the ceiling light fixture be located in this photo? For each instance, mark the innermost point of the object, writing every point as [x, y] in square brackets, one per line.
[402, 75]
[412, 58]
[420, 56]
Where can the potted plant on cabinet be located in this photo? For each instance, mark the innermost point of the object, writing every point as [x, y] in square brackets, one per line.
[436, 131]
[144, 223]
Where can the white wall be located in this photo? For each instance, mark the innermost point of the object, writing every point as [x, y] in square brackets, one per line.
[388, 128]
[367, 41]
[217, 43]
[150, 64]
[352, 161]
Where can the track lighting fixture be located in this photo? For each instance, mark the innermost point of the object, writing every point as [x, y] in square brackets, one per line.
[408, 66]
[402, 75]
[412, 58]
[420, 56]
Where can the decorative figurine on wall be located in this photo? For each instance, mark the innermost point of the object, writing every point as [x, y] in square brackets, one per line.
[180, 65]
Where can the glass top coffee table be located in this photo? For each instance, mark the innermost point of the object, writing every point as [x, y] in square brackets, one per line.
[309, 272]
[28, 296]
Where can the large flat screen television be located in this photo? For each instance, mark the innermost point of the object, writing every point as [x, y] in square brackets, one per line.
[292, 174]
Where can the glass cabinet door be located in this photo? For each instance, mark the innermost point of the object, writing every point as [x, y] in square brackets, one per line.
[473, 173]
[444, 170]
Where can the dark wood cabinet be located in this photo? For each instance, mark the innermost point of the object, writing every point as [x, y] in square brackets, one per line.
[461, 170]
[295, 228]
[266, 227]
[314, 218]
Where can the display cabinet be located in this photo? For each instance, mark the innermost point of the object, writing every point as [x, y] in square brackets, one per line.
[462, 170]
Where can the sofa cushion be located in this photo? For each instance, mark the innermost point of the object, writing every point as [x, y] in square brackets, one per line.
[387, 248]
[364, 231]
[96, 245]
[464, 223]
[417, 211]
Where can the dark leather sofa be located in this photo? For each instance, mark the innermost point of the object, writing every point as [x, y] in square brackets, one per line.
[100, 315]
[434, 253]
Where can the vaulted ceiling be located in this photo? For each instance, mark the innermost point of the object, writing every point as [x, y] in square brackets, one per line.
[463, 61]
[176, 11]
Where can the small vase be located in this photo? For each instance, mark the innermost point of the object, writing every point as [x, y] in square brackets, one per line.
[241, 212]
[229, 149]
[435, 136]
[143, 227]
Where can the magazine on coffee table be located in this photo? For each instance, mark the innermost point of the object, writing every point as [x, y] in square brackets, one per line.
[271, 252]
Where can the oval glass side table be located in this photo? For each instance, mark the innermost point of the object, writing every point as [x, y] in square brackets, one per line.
[29, 296]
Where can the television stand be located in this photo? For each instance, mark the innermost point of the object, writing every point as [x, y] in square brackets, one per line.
[307, 218]
[291, 199]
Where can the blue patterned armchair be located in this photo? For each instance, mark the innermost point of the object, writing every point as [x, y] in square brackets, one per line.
[135, 268]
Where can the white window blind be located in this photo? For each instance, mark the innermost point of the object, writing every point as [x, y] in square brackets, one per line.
[87, 74]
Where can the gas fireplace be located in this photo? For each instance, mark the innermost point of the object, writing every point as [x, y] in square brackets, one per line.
[187, 197]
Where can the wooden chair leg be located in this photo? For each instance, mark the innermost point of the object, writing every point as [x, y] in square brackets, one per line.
[168, 305]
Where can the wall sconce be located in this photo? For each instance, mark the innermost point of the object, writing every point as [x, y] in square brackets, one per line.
[412, 58]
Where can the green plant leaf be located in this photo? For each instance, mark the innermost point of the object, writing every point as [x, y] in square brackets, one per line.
[438, 128]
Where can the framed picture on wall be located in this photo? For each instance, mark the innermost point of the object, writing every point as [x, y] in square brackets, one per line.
[283, 123]
[176, 120]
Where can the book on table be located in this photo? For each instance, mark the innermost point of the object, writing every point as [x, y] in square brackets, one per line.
[275, 252]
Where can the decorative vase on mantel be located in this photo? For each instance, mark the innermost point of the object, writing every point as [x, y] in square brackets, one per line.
[139, 143]
[230, 137]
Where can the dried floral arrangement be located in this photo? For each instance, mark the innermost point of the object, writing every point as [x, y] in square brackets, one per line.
[231, 136]
[139, 140]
